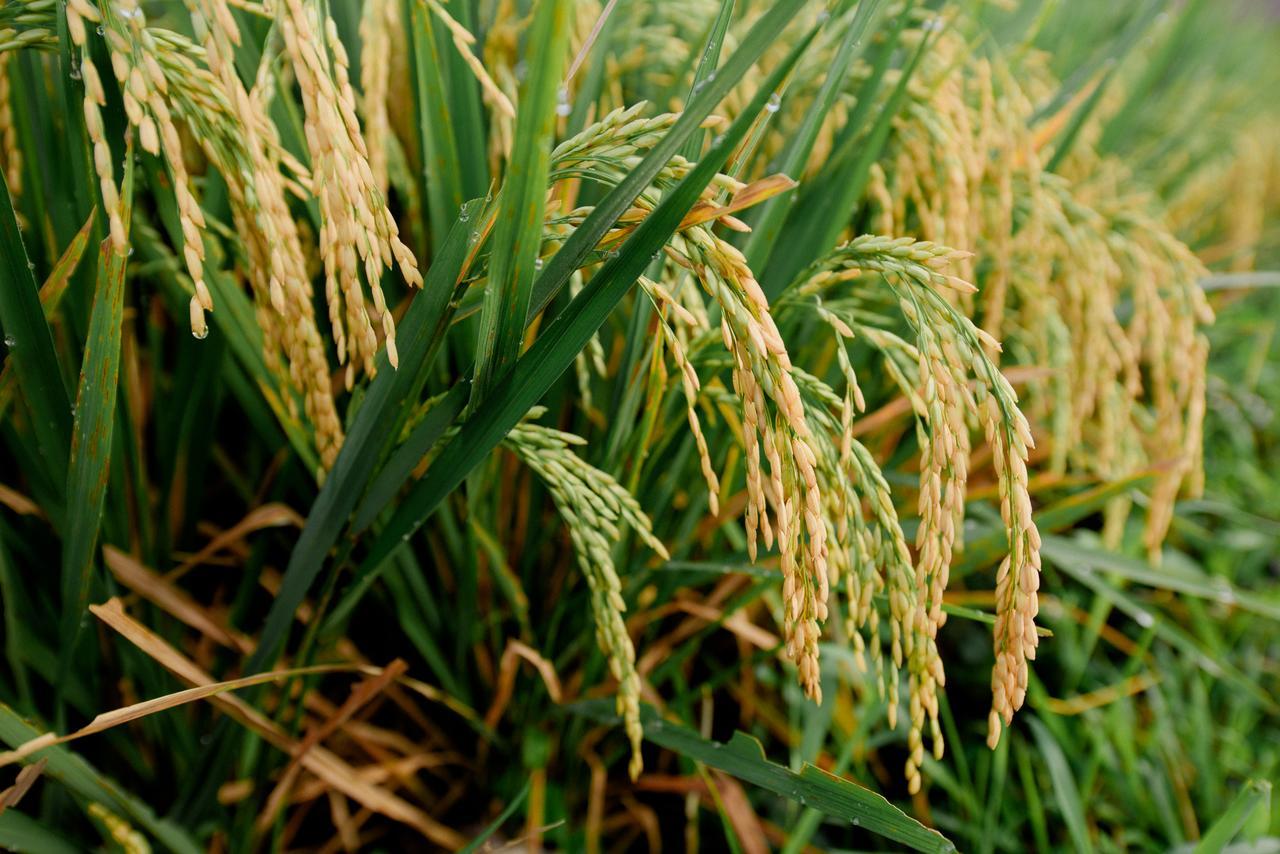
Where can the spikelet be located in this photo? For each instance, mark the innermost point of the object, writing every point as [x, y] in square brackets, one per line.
[128, 838]
[357, 232]
[278, 269]
[934, 374]
[1059, 257]
[377, 23]
[144, 87]
[785, 502]
[594, 507]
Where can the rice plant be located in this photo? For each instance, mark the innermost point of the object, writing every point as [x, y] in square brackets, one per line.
[584, 424]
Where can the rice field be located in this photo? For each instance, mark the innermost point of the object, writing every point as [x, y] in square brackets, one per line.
[610, 425]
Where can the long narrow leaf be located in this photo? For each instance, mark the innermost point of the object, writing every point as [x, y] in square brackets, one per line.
[744, 758]
[586, 236]
[30, 344]
[89, 467]
[385, 405]
[522, 201]
[51, 293]
[92, 787]
[773, 213]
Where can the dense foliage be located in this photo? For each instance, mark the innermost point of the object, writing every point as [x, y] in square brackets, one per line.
[639, 424]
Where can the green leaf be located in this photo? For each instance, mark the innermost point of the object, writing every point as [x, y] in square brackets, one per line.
[497, 823]
[1124, 44]
[51, 293]
[517, 238]
[25, 835]
[387, 403]
[441, 173]
[773, 213]
[89, 786]
[29, 342]
[707, 68]
[822, 214]
[1166, 631]
[89, 467]
[744, 758]
[1180, 576]
[1254, 799]
[1065, 789]
[399, 468]
[523, 386]
[987, 549]
[602, 218]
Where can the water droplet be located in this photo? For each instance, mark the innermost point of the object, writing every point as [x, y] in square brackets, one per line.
[775, 101]
[699, 86]
[562, 102]
[856, 821]
[10, 341]
[537, 263]
[101, 30]
[932, 25]
[719, 140]
[464, 215]
[475, 235]
[75, 72]
[31, 265]
[711, 76]
[200, 334]
[824, 16]
[129, 253]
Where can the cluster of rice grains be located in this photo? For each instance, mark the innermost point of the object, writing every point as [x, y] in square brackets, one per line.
[163, 77]
[594, 506]
[1076, 270]
[773, 415]
[1057, 265]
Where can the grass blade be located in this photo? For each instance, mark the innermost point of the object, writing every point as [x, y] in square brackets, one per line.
[51, 293]
[521, 203]
[89, 467]
[824, 214]
[24, 834]
[1065, 789]
[773, 213]
[90, 786]
[400, 466]
[1179, 577]
[744, 758]
[1254, 799]
[585, 238]
[985, 550]
[440, 178]
[30, 344]
[386, 404]
[497, 823]
[707, 68]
